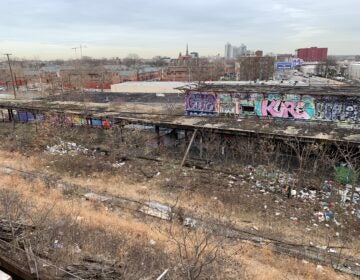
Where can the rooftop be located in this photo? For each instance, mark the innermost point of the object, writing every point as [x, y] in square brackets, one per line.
[236, 87]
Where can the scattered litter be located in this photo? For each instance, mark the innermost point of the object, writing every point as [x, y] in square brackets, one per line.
[66, 148]
[329, 216]
[190, 222]
[58, 245]
[152, 242]
[320, 216]
[293, 193]
[118, 164]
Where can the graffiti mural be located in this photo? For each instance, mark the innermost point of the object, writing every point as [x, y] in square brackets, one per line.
[247, 107]
[275, 105]
[286, 107]
[227, 105]
[200, 103]
[333, 110]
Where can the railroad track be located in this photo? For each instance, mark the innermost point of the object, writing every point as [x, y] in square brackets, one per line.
[339, 262]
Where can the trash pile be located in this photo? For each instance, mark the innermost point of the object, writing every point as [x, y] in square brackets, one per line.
[67, 148]
[327, 197]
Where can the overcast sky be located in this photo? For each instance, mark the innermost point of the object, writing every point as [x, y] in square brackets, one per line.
[50, 28]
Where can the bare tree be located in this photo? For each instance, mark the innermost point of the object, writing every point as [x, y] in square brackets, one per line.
[197, 251]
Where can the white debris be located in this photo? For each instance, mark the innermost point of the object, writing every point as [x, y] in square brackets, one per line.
[6, 170]
[58, 245]
[343, 195]
[190, 222]
[66, 148]
[152, 242]
[96, 197]
[118, 164]
[319, 267]
[293, 192]
[157, 209]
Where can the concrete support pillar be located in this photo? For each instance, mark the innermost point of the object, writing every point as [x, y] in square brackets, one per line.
[176, 133]
[201, 148]
[157, 131]
[186, 133]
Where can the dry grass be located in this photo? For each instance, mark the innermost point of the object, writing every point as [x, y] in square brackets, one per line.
[259, 263]
[193, 202]
[263, 264]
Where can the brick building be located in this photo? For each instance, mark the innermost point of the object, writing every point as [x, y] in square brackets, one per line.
[312, 54]
[251, 68]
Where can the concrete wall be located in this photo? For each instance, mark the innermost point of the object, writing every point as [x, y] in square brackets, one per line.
[274, 105]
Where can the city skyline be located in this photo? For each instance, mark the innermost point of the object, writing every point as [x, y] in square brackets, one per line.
[49, 29]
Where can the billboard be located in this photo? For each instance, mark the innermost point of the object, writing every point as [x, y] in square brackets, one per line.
[284, 65]
[297, 62]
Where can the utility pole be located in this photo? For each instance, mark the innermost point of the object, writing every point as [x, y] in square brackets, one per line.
[81, 47]
[11, 73]
[75, 48]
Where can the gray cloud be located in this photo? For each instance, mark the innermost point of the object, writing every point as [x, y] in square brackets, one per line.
[118, 26]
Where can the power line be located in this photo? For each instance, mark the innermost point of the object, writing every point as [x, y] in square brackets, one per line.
[11, 73]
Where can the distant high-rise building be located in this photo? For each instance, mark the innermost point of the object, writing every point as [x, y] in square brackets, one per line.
[194, 54]
[232, 52]
[312, 54]
[228, 51]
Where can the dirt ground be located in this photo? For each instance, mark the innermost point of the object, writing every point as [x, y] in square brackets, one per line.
[236, 197]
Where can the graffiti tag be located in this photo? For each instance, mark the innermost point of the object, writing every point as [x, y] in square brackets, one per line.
[284, 109]
[201, 103]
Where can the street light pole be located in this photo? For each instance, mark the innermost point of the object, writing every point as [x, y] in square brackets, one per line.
[11, 73]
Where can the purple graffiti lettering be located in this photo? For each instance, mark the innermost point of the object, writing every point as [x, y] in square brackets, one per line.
[200, 102]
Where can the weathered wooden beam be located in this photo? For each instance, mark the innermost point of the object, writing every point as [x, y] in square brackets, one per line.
[189, 146]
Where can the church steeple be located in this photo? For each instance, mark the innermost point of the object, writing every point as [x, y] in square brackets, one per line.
[187, 50]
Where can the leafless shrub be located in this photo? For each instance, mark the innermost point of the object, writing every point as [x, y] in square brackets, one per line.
[198, 253]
